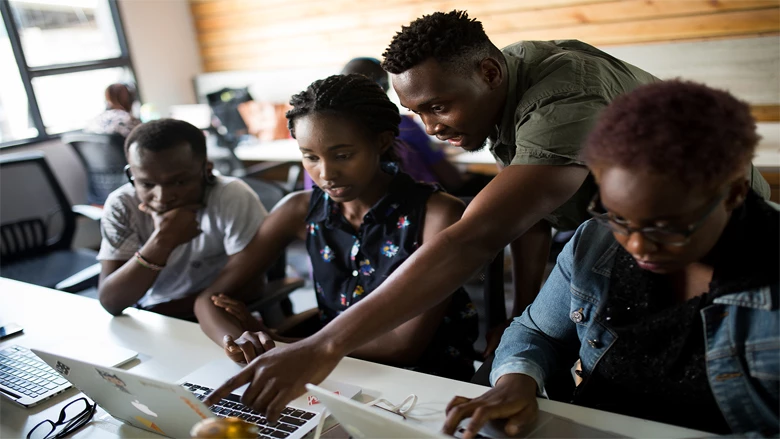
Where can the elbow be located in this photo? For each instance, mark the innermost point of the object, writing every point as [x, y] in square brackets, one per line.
[108, 304]
[478, 243]
[407, 355]
[202, 306]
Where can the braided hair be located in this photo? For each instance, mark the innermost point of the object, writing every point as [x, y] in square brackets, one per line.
[450, 38]
[354, 96]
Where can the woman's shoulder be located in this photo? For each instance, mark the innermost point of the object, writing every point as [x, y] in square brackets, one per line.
[295, 205]
[444, 205]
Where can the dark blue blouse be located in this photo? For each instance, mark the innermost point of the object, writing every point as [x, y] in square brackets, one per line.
[349, 264]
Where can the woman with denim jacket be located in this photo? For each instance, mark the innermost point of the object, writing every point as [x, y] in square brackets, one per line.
[669, 296]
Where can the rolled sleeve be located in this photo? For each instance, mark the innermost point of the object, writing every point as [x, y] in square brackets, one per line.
[553, 131]
[522, 366]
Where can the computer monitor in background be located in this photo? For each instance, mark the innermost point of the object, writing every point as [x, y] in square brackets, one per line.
[230, 127]
[198, 114]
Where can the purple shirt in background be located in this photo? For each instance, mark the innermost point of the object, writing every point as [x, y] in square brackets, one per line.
[417, 155]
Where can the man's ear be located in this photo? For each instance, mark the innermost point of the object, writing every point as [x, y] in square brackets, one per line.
[490, 72]
[737, 193]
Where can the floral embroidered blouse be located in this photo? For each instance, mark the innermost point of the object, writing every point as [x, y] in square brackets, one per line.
[349, 264]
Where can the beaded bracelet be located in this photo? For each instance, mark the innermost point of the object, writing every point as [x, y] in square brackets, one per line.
[145, 263]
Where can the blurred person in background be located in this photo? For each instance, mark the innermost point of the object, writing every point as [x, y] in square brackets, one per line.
[118, 117]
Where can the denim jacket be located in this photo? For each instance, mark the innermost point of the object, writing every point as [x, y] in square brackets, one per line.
[741, 333]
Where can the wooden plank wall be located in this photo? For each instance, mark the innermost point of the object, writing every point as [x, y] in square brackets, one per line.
[283, 34]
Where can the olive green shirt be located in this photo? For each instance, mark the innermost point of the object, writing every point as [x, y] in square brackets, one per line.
[556, 91]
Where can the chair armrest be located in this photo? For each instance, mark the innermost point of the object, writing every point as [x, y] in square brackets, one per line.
[91, 212]
[82, 280]
[275, 291]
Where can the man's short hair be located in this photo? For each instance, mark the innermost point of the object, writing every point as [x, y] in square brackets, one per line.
[162, 134]
[451, 38]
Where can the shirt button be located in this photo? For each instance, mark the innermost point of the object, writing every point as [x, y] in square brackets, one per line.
[577, 317]
[594, 343]
[354, 273]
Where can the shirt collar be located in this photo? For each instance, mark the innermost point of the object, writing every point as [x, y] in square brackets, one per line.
[329, 212]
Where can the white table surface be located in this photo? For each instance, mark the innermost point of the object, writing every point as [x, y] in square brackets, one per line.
[170, 349]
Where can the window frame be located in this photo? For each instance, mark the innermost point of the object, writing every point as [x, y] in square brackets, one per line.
[28, 73]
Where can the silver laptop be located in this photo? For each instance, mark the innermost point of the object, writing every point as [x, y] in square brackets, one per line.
[362, 421]
[28, 381]
[172, 409]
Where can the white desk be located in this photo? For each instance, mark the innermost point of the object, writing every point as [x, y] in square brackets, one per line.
[275, 151]
[169, 349]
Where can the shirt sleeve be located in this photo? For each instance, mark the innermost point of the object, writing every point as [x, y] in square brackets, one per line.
[242, 213]
[540, 340]
[119, 240]
[554, 129]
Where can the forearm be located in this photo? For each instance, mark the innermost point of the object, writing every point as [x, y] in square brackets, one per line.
[215, 322]
[512, 203]
[128, 284]
[529, 260]
[436, 269]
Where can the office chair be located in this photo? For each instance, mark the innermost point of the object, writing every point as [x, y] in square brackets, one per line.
[37, 224]
[103, 156]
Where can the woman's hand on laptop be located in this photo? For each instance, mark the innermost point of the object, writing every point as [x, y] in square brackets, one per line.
[248, 346]
[513, 398]
[280, 375]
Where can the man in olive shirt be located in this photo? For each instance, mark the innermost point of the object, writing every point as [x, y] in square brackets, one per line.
[533, 105]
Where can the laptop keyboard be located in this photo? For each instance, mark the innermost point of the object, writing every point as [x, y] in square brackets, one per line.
[291, 420]
[25, 373]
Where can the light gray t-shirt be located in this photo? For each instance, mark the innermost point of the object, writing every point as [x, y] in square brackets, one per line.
[232, 215]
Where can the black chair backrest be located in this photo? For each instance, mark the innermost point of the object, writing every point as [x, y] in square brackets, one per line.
[269, 192]
[493, 293]
[35, 214]
[103, 155]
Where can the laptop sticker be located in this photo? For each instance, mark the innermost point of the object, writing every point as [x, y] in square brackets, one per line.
[62, 368]
[193, 407]
[115, 380]
[150, 424]
[156, 386]
[312, 400]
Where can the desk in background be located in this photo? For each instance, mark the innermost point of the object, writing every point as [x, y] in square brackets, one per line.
[170, 349]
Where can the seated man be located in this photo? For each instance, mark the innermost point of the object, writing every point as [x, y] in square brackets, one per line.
[176, 231]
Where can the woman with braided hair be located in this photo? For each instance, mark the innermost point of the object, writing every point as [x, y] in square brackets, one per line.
[362, 220]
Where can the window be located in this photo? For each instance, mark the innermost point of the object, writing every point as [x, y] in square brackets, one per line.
[66, 52]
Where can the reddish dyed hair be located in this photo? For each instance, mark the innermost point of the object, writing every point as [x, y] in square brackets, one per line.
[691, 132]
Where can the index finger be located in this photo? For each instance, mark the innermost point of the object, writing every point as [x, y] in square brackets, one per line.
[455, 413]
[238, 380]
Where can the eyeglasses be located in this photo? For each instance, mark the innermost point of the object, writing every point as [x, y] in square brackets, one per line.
[659, 235]
[72, 417]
